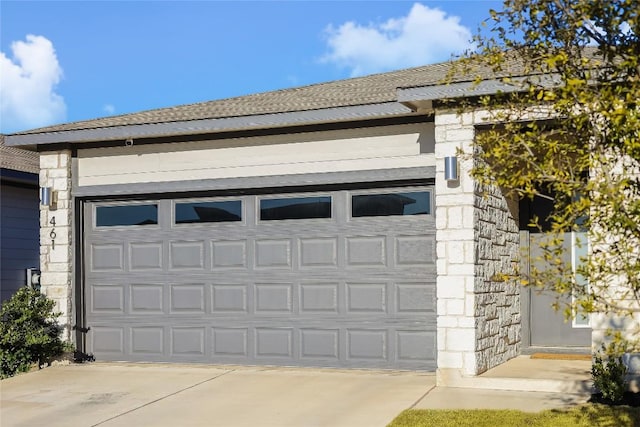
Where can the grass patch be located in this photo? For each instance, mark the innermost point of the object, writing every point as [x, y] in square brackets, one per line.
[586, 415]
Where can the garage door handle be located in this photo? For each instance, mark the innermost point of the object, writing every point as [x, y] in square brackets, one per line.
[81, 329]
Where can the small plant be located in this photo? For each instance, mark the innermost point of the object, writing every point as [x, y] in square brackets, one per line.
[29, 332]
[608, 372]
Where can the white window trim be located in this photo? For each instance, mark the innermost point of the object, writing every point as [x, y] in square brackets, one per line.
[575, 259]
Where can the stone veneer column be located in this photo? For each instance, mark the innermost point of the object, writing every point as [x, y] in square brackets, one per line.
[455, 247]
[477, 236]
[56, 250]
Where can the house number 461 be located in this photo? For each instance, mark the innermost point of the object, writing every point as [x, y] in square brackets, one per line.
[53, 232]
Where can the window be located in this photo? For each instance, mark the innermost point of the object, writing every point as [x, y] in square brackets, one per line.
[196, 212]
[295, 208]
[579, 254]
[110, 216]
[389, 204]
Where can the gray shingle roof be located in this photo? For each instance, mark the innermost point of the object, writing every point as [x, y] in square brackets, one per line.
[377, 95]
[17, 159]
[372, 89]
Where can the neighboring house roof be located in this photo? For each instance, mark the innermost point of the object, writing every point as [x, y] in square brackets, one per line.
[16, 159]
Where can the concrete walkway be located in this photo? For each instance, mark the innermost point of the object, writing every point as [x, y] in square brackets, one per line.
[120, 394]
[522, 383]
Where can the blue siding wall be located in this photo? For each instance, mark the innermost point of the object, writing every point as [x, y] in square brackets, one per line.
[19, 235]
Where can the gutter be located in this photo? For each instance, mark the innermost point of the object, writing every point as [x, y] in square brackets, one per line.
[209, 126]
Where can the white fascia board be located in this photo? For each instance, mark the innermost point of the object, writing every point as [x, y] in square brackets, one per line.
[228, 124]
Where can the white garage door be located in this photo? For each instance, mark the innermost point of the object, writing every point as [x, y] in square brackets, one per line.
[336, 278]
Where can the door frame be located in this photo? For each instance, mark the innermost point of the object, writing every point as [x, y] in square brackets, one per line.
[526, 296]
[525, 292]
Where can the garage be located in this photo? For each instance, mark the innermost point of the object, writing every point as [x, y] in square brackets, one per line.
[294, 228]
[331, 276]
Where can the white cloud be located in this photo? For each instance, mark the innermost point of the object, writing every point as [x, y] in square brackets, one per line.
[27, 88]
[109, 108]
[426, 35]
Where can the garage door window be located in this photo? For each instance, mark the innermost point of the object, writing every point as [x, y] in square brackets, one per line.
[111, 216]
[295, 208]
[198, 212]
[408, 203]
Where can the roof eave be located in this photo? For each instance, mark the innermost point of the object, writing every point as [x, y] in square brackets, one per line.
[209, 126]
[414, 95]
[421, 95]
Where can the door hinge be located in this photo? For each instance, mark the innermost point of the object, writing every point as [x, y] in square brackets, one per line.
[81, 329]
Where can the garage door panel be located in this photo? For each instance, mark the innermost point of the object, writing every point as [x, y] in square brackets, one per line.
[320, 344]
[107, 340]
[147, 340]
[415, 345]
[187, 299]
[414, 250]
[273, 253]
[107, 257]
[229, 298]
[188, 341]
[273, 298]
[230, 342]
[366, 298]
[367, 344]
[415, 298]
[335, 292]
[186, 255]
[318, 298]
[366, 251]
[273, 343]
[318, 252]
[107, 299]
[145, 256]
[229, 254]
[146, 299]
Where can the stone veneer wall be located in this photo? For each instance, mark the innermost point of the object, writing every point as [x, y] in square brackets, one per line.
[478, 318]
[497, 302]
[56, 258]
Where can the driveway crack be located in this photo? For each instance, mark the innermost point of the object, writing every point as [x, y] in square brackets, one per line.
[164, 397]
[422, 397]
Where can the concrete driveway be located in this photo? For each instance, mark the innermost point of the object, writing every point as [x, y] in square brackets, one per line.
[110, 394]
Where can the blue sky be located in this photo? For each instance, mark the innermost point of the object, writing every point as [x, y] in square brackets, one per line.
[76, 60]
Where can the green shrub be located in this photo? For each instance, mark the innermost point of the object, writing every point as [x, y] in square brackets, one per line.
[608, 372]
[29, 332]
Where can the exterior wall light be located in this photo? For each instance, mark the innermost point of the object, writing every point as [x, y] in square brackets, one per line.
[33, 278]
[46, 194]
[451, 168]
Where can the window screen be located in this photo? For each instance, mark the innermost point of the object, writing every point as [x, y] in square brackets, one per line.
[109, 216]
[295, 208]
[410, 203]
[195, 212]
